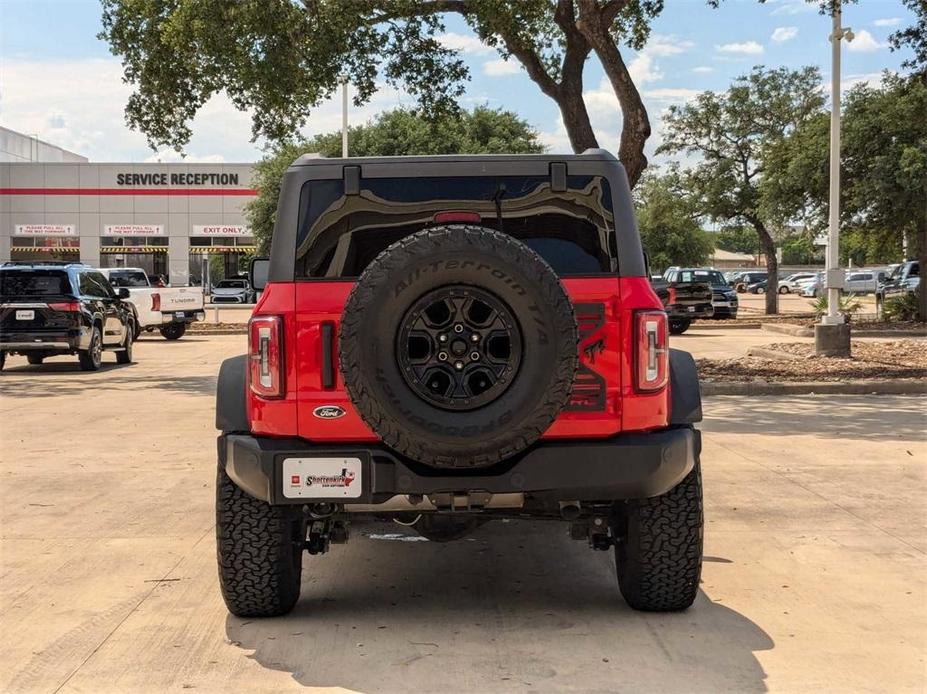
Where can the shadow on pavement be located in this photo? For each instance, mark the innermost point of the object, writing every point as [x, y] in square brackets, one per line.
[517, 605]
[110, 376]
[826, 416]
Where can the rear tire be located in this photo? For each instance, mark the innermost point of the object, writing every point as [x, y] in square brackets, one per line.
[784, 290]
[658, 555]
[2, 360]
[124, 356]
[677, 326]
[259, 548]
[91, 359]
[173, 331]
[35, 359]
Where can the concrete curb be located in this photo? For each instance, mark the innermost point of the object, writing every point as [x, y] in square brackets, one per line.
[243, 330]
[776, 354]
[708, 325]
[897, 334]
[789, 329]
[859, 387]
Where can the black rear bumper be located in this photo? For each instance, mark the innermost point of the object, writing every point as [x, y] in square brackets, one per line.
[24, 341]
[628, 466]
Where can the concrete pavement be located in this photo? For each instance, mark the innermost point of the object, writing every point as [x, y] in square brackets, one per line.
[814, 576]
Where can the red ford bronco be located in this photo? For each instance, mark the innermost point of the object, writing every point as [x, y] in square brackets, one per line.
[445, 341]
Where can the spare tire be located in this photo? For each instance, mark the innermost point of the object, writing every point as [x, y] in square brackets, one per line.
[458, 346]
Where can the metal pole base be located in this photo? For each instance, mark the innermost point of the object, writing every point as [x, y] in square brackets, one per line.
[832, 340]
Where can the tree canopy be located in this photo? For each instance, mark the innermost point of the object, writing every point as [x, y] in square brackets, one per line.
[730, 133]
[280, 59]
[393, 133]
[669, 226]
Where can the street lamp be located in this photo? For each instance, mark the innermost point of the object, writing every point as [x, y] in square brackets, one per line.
[832, 336]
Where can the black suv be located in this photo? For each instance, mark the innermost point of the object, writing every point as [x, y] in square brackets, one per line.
[48, 309]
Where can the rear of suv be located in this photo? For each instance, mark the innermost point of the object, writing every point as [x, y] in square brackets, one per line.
[50, 309]
[444, 341]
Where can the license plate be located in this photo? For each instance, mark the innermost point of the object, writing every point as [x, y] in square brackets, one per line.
[25, 315]
[322, 478]
[178, 314]
[722, 303]
[691, 309]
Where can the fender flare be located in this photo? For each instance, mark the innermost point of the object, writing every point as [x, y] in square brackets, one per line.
[685, 394]
[231, 405]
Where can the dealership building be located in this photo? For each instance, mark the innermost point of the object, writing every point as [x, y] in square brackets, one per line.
[182, 221]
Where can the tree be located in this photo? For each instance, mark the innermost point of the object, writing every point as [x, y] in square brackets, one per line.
[392, 133]
[280, 59]
[883, 171]
[730, 133]
[913, 37]
[669, 228]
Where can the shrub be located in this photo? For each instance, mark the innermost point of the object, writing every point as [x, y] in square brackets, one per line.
[900, 308]
[847, 306]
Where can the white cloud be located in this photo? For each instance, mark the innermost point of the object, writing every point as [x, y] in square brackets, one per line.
[783, 34]
[887, 22]
[743, 48]
[703, 70]
[79, 104]
[501, 67]
[671, 94]
[864, 42]
[791, 6]
[663, 44]
[465, 43]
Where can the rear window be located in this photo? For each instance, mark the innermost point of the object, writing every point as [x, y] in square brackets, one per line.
[128, 278]
[712, 276]
[34, 283]
[339, 235]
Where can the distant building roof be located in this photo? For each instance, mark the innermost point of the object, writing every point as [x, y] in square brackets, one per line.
[720, 254]
[19, 147]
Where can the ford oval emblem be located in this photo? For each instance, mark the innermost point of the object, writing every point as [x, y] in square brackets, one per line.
[328, 412]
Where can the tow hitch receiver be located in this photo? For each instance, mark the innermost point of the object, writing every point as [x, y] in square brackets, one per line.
[595, 530]
[323, 532]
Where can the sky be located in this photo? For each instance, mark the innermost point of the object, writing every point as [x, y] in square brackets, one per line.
[61, 83]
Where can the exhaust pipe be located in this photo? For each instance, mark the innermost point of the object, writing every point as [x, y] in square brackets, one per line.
[570, 510]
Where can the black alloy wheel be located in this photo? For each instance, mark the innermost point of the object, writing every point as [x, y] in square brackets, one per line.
[459, 347]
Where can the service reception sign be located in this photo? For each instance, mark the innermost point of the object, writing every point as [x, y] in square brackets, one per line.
[133, 230]
[46, 230]
[220, 230]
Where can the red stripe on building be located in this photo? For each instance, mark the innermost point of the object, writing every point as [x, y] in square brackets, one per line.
[129, 191]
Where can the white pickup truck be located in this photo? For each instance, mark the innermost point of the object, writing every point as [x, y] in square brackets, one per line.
[167, 309]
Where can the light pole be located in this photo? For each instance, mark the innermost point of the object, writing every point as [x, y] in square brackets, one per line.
[832, 336]
[344, 116]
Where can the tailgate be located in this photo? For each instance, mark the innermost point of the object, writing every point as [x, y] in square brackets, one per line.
[593, 410]
[692, 293]
[180, 298]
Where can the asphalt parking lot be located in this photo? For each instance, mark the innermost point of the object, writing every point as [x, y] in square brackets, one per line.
[814, 574]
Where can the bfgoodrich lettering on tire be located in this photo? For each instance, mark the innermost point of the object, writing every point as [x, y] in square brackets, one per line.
[458, 346]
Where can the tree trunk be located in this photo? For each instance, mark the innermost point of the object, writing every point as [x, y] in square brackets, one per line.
[922, 262]
[576, 118]
[768, 247]
[594, 25]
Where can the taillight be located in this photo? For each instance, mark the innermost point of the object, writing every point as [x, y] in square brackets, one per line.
[672, 296]
[457, 216]
[652, 352]
[156, 302]
[265, 356]
[65, 306]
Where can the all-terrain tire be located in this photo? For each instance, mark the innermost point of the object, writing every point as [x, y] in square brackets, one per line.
[658, 554]
[173, 331]
[677, 326]
[91, 359]
[259, 549]
[432, 260]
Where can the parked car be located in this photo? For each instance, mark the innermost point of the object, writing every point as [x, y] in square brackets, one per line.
[49, 310]
[903, 279]
[756, 287]
[232, 291]
[685, 297]
[169, 310]
[745, 279]
[458, 355]
[724, 300]
[864, 282]
[793, 283]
